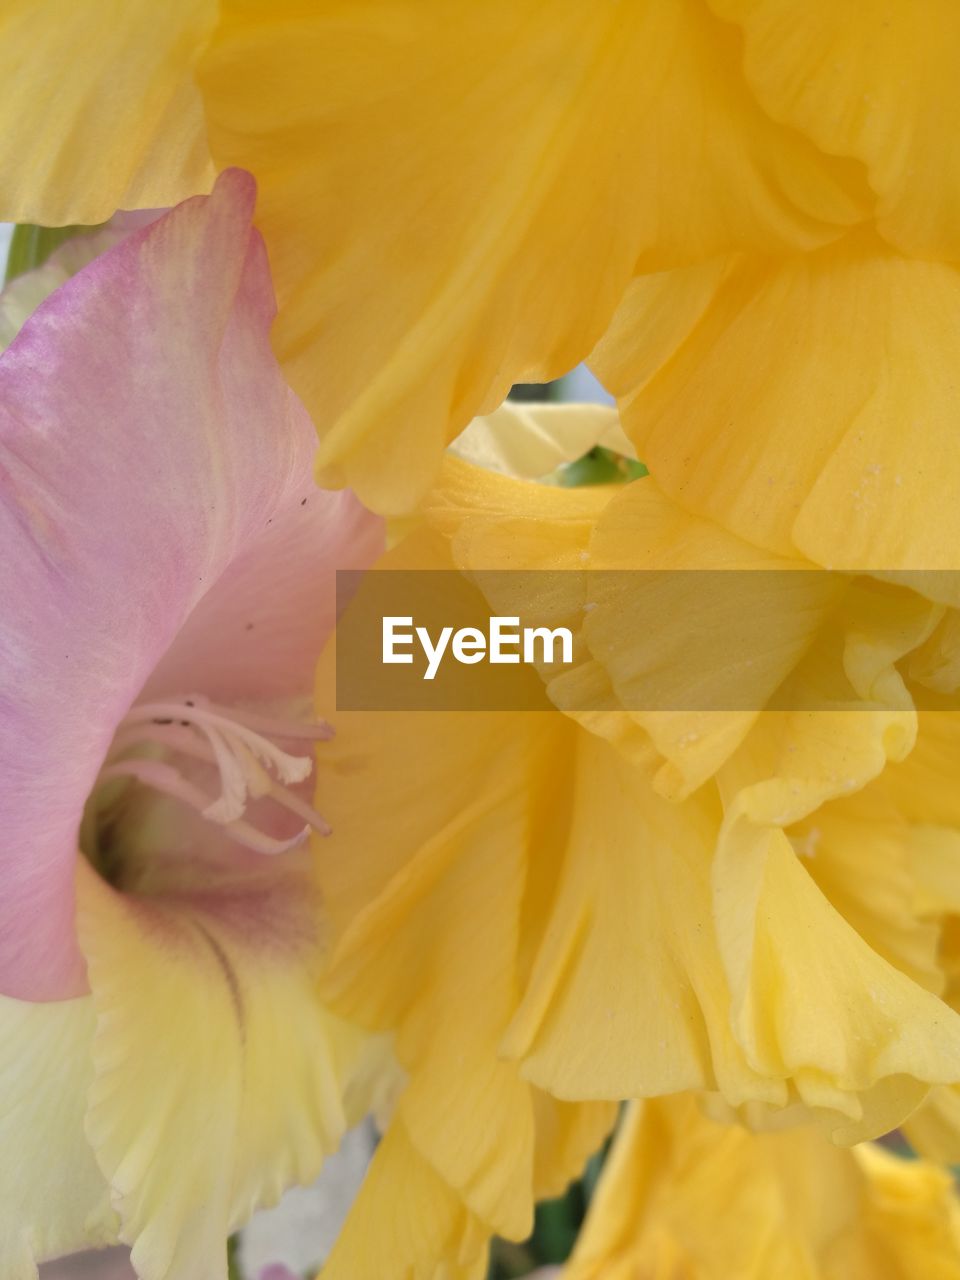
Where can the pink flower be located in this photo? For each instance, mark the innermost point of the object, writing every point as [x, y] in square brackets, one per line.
[167, 583]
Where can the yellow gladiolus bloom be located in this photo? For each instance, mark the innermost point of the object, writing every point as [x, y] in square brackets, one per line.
[455, 197]
[683, 1198]
[626, 903]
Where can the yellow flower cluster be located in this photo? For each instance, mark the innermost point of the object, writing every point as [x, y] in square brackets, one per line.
[745, 216]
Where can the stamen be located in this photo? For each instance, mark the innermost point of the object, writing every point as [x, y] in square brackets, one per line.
[233, 742]
[193, 711]
[301, 809]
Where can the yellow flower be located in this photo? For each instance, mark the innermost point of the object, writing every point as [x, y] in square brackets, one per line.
[684, 1198]
[628, 903]
[456, 198]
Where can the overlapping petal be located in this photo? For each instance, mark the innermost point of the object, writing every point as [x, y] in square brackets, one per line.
[875, 81]
[683, 1196]
[837, 441]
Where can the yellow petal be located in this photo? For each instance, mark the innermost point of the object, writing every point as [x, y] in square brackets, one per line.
[875, 80]
[430, 893]
[814, 1003]
[839, 442]
[722, 646]
[862, 855]
[921, 785]
[432, 940]
[682, 1196]
[912, 1213]
[778, 915]
[633, 683]
[685, 889]
[53, 1198]
[406, 1223]
[789, 771]
[627, 996]
[455, 200]
[793, 963]
[934, 1128]
[568, 1134]
[219, 1078]
[120, 127]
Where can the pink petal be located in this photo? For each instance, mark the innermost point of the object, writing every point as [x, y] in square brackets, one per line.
[259, 631]
[147, 440]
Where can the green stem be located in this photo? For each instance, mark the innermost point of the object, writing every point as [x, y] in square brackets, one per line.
[233, 1259]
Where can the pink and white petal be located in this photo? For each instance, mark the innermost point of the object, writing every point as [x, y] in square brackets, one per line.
[146, 440]
[21, 297]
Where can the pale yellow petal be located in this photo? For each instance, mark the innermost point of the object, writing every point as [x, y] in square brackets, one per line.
[525, 887]
[875, 80]
[923, 784]
[455, 199]
[863, 857]
[531, 440]
[100, 108]
[53, 1198]
[693, 654]
[863, 1055]
[934, 1128]
[219, 1078]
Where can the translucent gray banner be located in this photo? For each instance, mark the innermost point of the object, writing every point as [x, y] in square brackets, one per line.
[647, 640]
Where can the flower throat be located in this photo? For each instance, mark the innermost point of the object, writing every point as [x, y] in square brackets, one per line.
[241, 753]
